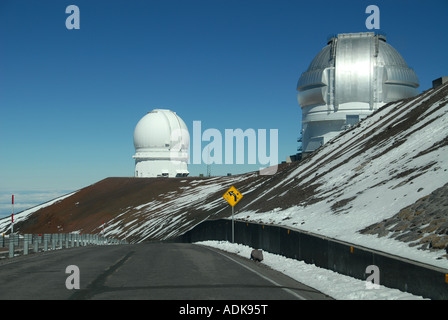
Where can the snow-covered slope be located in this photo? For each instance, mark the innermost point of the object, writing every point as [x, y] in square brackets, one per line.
[5, 223]
[175, 211]
[138, 209]
[365, 175]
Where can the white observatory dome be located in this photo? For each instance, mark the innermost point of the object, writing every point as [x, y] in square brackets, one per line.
[161, 141]
[351, 77]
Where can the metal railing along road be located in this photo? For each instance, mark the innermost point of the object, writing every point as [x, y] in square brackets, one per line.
[15, 244]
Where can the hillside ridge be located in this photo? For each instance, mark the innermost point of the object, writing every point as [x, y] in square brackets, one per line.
[361, 178]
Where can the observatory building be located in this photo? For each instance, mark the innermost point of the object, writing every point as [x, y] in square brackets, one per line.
[161, 141]
[351, 77]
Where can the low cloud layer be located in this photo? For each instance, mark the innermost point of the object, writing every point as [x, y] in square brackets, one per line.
[26, 199]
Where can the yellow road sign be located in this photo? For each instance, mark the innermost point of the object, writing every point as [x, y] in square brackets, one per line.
[232, 196]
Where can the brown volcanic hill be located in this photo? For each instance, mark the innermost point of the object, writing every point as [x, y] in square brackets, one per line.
[361, 177]
[138, 208]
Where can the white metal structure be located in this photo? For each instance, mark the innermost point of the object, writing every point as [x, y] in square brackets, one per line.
[161, 141]
[355, 74]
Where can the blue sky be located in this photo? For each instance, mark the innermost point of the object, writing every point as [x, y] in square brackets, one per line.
[70, 99]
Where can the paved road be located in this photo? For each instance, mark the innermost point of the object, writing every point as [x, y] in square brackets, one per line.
[163, 271]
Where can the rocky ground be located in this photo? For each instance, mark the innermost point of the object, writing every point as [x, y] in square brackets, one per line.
[423, 224]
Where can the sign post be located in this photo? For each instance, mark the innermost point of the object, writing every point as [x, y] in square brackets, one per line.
[232, 196]
[12, 215]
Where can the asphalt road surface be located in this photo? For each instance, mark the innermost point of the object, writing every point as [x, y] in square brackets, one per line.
[162, 271]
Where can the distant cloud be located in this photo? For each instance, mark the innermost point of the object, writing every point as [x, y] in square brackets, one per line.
[26, 199]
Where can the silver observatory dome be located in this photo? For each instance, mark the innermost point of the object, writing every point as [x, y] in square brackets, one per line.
[352, 76]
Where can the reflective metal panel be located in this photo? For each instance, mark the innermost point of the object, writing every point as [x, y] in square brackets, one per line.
[353, 69]
[355, 73]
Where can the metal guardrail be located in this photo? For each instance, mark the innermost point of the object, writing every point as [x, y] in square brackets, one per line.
[339, 256]
[32, 243]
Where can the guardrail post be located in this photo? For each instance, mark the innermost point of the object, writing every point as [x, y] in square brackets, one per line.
[57, 241]
[25, 244]
[53, 242]
[46, 240]
[27, 238]
[11, 245]
[36, 239]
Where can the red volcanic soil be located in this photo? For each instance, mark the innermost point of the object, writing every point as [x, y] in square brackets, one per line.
[114, 199]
